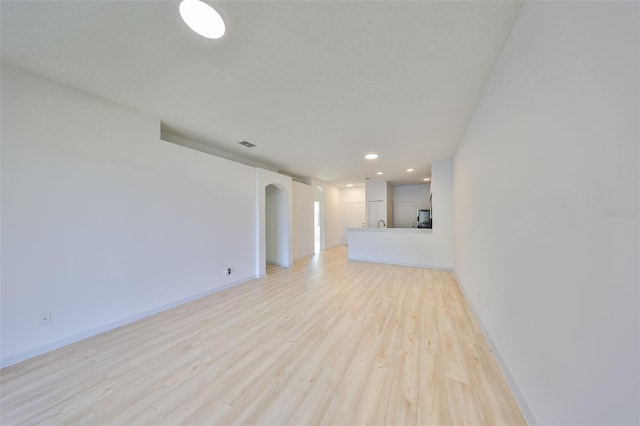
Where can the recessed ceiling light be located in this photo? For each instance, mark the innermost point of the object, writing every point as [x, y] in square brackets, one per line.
[350, 185]
[202, 18]
[426, 179]
[409, 170]
[379, 173]
[371, 156]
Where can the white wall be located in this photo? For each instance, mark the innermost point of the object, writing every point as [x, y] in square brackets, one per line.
[556, 282]
[379, 197]
[407, 200]
[353, 200]
[303, 199]
[102, 222]
[443, 210]
[390, 219]
[376, 190]
[353, 195]
[416, 193]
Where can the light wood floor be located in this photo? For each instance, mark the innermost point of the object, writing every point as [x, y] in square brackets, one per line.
[327, 341]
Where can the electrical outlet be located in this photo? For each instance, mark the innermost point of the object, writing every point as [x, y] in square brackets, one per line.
[45, 319]
[228, 271]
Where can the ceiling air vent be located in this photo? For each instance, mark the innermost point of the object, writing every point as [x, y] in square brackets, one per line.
[247, 144]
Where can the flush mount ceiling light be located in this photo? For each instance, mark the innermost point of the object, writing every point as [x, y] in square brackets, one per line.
[379, 173]
[350, 185]
[409, 170]
[426, 179]
[371, 156]
[202, 18]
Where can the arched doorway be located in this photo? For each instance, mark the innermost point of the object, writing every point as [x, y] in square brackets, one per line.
[276, 226]
[278, 190]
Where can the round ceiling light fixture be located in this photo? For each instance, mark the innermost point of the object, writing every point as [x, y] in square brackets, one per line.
[371, 156]
[202, 18]
[409, 170]
[379, 173]
[349, 185]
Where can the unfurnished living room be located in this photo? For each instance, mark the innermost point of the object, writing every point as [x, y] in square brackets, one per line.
[320, 212]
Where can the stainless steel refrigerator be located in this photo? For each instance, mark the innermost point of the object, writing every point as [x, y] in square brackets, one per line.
[424, 219]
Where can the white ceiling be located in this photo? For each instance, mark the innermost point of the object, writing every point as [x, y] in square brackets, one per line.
[314, 84]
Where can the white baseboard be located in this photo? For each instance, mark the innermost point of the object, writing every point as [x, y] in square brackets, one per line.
[524, 407]
[304, 256]
[14, 359]
[284, 265]
[415, 265]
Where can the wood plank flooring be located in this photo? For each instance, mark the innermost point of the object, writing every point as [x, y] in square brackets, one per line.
[325, 342]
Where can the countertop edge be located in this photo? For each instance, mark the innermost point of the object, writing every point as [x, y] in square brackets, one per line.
[395, 230]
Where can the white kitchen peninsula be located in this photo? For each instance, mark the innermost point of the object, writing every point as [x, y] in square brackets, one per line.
[427, 248]
[399, 246]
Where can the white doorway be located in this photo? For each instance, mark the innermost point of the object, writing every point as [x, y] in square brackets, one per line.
[316, 227]
[276, 226]
[318, 221]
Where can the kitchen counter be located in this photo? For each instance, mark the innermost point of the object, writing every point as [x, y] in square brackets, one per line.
[419, 230]
[399, 246]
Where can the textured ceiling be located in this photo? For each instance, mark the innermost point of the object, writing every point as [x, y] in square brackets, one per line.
[314, 84]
